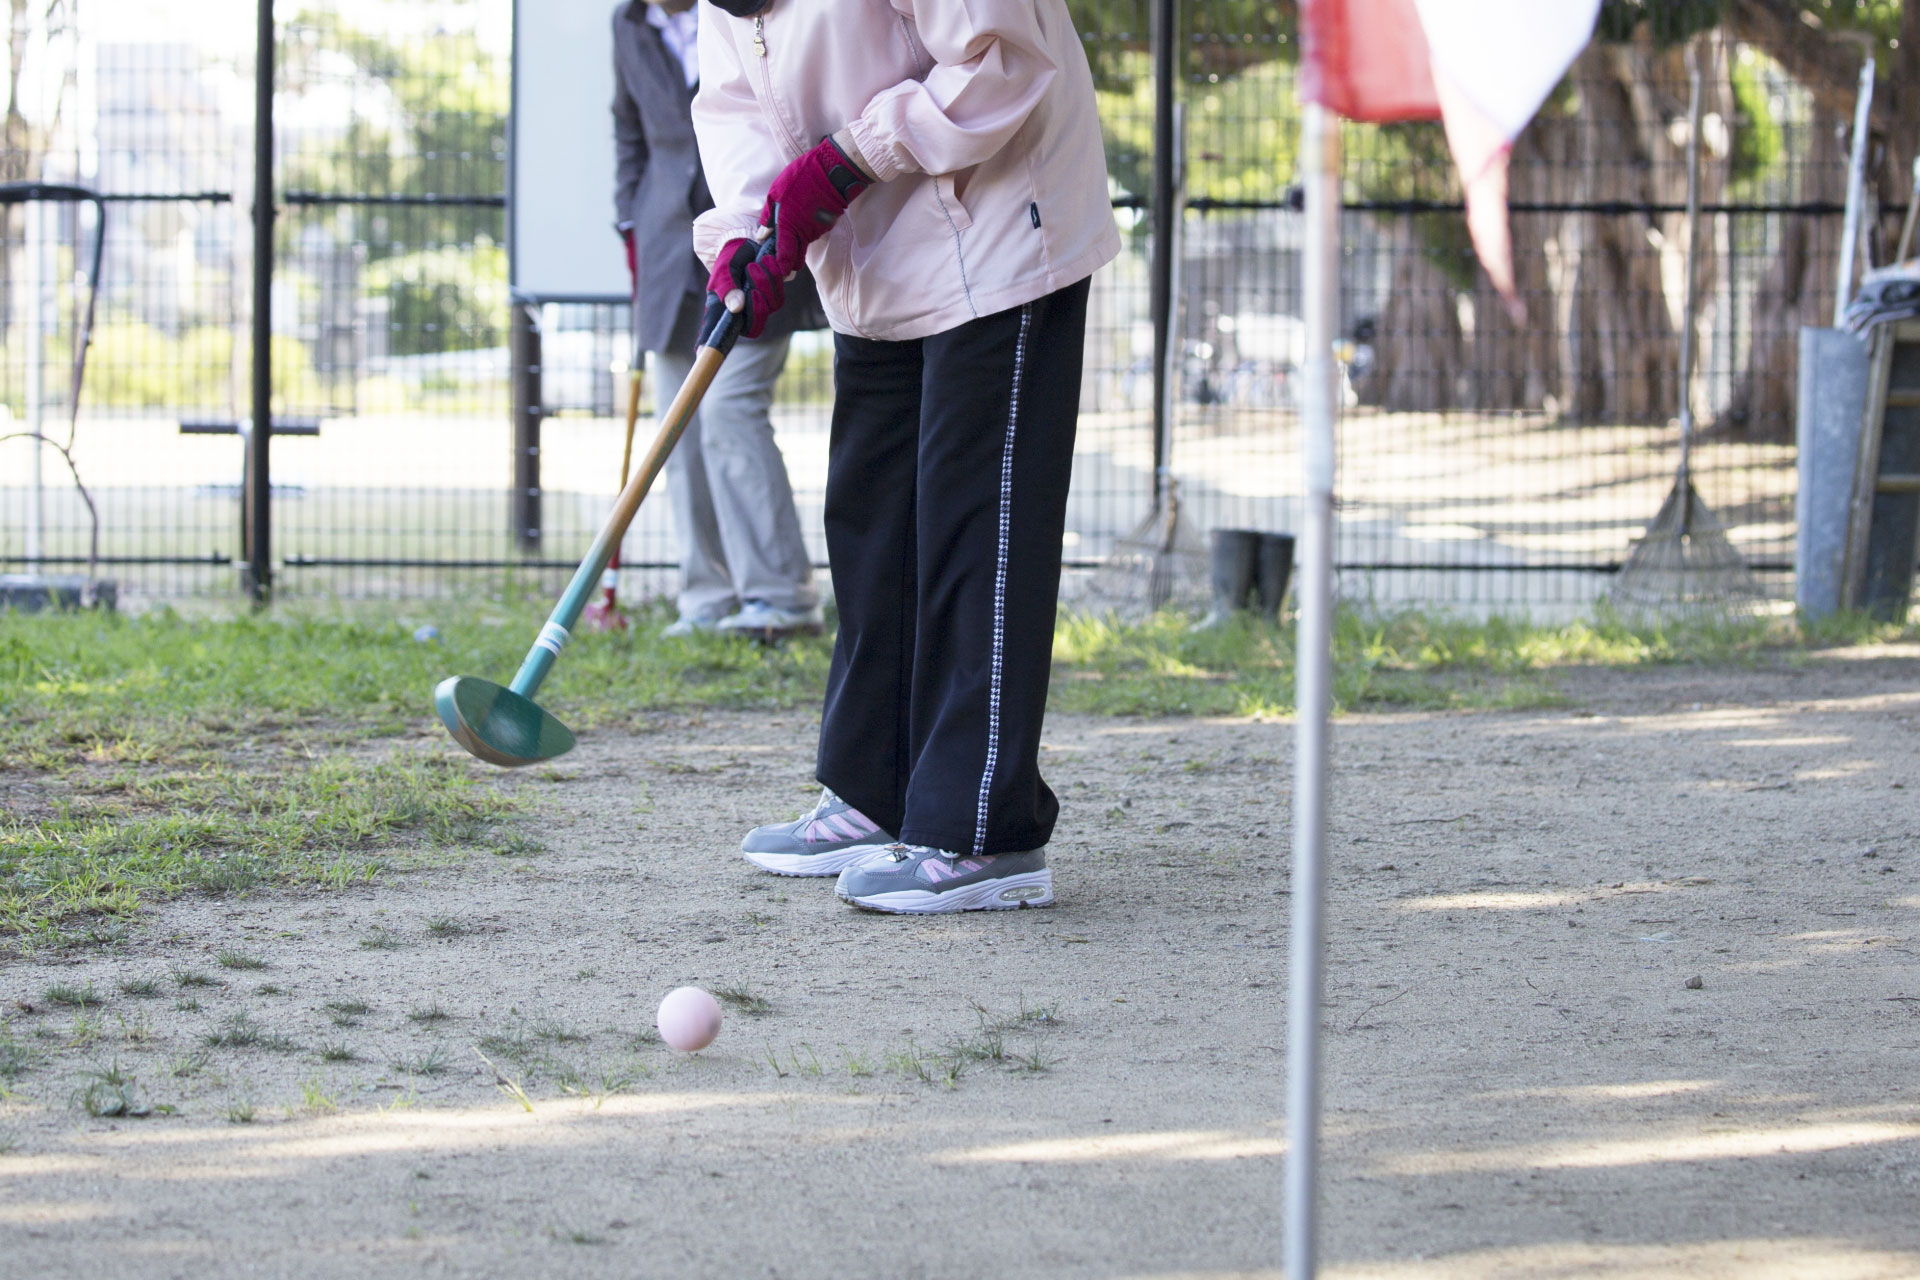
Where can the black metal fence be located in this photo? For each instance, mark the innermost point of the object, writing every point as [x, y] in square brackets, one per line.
[1485, 463]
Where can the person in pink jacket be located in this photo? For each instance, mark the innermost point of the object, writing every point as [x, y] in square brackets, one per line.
[939, 166]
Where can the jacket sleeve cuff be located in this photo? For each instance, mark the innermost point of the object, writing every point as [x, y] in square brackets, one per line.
[714, 230]
[882, 159]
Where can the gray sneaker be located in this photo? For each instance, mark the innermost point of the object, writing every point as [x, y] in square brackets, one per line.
[912, 879]
[822, 843]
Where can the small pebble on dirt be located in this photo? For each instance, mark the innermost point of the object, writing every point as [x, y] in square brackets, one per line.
[1694, 983]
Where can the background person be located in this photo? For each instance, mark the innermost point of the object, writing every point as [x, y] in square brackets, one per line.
[743, 563]
[939, 162]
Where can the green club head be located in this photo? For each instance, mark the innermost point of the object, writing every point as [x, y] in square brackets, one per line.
[498, 725]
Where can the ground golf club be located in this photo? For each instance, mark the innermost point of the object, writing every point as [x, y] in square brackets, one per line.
[505, 726]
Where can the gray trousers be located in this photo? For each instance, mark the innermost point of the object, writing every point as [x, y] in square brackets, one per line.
[732, 502]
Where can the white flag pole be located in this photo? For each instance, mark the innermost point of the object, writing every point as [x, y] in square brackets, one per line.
[1313, 687]
[1856, 178]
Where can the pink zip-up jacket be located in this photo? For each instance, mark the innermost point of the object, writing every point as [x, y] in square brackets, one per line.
[978, 117]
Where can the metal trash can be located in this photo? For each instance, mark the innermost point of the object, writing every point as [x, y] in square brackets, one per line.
[1832, 406]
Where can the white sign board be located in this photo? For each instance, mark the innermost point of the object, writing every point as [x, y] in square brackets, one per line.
[561, 244]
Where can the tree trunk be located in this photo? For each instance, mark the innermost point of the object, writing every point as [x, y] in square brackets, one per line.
[1622, 348]
[16, 160]
[1604, 290]
[1829, 68]
[1901, 139]
[1418, 346]
[1517, 366]
[1796, 289]
[22, 142]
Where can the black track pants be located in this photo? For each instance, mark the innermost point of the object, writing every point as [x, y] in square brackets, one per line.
[946, 498]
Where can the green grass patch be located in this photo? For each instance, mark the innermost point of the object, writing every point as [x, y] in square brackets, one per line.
[347, 1013]
[744, 999]
[72, 995]
[241, 1031]
[333, 821]
[105, 689]
[17, 1057]
[141, 757]
[434, 1062]
[1164, 666]
[109, 1093]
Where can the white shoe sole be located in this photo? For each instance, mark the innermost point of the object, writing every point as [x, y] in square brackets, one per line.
[1006, 893]
[814, 864]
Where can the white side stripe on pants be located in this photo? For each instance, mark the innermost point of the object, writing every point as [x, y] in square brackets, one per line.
[1000, 583]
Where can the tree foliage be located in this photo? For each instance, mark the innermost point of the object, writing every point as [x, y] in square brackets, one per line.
[1671, 21]
[429, 119]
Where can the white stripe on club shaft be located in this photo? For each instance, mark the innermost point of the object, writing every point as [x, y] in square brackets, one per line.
[553, 638]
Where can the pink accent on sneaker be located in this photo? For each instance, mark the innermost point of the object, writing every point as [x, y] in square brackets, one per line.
[850, 825]
[936, 869]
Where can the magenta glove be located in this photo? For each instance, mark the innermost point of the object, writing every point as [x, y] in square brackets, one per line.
[807, 199]
[739, 267]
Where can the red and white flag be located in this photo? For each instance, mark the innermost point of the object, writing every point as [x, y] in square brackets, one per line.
[1482, 66]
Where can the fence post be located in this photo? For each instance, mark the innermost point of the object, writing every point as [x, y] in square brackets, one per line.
[36, 229]
[1160, 300]
[257, 502]
[523, 346]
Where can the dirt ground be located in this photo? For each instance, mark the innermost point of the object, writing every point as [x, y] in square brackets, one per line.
[1624, 989]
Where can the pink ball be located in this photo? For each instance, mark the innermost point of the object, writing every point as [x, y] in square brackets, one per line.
[689, 1019]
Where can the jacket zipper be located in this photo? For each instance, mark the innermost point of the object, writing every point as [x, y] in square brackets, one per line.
[793, 145]
[913, 45]
[766, 80]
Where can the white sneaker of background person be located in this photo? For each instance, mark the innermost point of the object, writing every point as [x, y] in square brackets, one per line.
[757, 617]
[690, 624]
[833, 837]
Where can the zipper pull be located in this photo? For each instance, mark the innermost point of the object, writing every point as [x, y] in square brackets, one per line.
[759, 35]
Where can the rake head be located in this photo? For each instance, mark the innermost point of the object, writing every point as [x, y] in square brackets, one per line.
[1684, 564]
[1161, 563]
